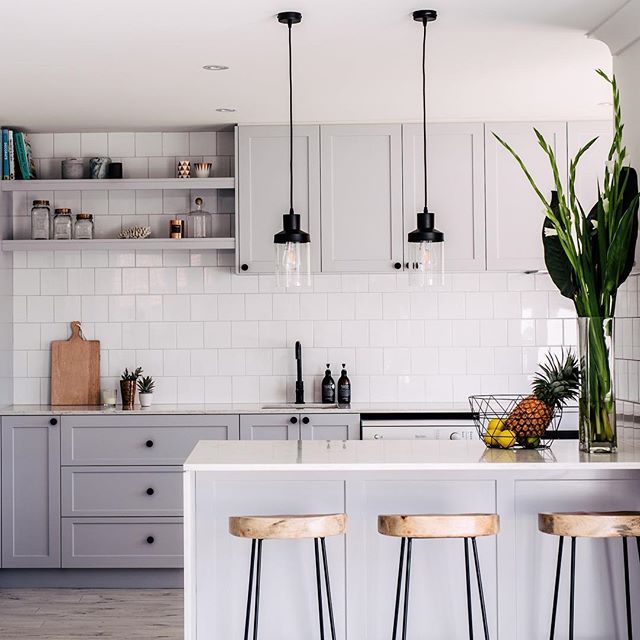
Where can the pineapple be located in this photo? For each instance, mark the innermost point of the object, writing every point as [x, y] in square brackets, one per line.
[557, 382]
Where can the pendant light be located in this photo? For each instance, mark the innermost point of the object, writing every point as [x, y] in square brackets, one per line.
[293, 261]
[426, 243]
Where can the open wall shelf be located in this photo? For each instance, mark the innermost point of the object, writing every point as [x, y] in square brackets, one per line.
[148, 244]
[120, 185]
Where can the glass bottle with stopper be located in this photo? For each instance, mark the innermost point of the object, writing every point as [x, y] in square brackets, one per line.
[199, 222]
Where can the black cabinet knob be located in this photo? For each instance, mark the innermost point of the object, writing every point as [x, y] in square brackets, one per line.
[53, 422]
[245, 267]
[397, 265]
[150, 491]
[305, 420]
[293, 420]
[149, 443]
[150, 540]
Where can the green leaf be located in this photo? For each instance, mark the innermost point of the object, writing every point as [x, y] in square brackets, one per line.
[630, 199]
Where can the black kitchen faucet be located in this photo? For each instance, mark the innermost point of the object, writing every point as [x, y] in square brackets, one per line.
[299, 381]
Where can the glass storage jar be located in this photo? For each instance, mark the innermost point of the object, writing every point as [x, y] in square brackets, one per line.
[83, 229]
[40, 220]
[199, 222]
[62, 224]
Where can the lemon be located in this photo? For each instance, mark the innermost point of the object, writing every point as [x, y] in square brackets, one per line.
[506, 438]
[495, 426]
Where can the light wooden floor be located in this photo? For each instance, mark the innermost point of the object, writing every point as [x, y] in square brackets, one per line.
[83, 614]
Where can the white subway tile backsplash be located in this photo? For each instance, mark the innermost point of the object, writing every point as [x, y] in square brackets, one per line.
[66, 145]
[148, 308]
[94, 145]
[67, 308]
[135, 335]
[148, 143]
[121, 145]
[41, 145]
[175, 143]
[135, 280]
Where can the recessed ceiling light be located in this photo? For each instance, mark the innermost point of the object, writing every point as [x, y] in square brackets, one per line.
[225, 110]
[215, 67]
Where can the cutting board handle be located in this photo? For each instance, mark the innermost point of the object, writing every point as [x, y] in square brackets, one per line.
[76, 331]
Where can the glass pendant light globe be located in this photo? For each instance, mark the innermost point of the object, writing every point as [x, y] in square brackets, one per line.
[426, 260]
[293, 265]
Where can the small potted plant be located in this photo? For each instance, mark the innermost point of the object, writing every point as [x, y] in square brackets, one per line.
[146, 385]
[128, 382]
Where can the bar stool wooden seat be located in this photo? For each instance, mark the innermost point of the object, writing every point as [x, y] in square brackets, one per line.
[288, 527]
[608, 524]
[467, 526]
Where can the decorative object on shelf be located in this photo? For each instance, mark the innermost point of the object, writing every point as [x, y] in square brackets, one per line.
[128, 383]
[109, 396]
[589, 256]
[75, 369]
[72, 169]
[146, 385]
[115, 171]
[62, 224]
[99, 168]
[426, 243]
[199, 222]
[184, 169]
[176, 228]
[40, 220]
[135, 233]
[83, 229]
[202, 169]
[293, 250]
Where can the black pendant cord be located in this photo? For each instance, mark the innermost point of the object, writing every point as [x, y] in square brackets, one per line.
[290, 123]
[424, 109]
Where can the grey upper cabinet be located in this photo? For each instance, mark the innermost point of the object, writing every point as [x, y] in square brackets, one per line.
[270, 426]
[455, 181]
[30, 492]
[515, 214]
[263, 191]
[332, 426]
[361, 193]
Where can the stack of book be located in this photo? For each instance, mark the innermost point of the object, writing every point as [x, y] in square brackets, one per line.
[17, 161]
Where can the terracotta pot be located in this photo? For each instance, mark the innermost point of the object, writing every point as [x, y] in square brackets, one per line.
[128, 392]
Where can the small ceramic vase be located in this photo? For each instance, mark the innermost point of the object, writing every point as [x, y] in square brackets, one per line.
[145, 399]
[202, 169]
[72, 169]
[184, 169]
[99, 168]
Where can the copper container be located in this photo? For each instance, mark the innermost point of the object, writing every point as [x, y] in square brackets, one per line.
[128, 392]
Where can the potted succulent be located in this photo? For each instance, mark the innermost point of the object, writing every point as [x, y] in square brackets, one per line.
[146, 385]
[128, 382]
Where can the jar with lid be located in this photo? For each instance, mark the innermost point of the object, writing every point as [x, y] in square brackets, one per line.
[40, 220]
[62, 224]
[199, 222]
[83, 229]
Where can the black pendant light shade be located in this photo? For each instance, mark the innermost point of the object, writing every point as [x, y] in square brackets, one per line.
[425, 231]
[293, 262]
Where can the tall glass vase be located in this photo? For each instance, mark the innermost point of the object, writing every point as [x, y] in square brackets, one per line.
[597, 396]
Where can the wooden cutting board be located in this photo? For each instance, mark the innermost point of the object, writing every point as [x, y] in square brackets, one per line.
[75, 369]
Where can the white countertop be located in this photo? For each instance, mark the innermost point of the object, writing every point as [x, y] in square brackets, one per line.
[213, 409]
[396, 455]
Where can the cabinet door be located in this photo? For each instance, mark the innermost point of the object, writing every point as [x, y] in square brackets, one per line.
[514, 212]
[270, 426]
[455, 181]
[263, 191]
[322, 426]
[361, 189]
[30, 492]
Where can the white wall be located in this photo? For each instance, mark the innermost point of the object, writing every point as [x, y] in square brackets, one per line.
[627, 67]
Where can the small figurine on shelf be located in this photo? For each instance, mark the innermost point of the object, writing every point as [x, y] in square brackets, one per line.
[146, 385]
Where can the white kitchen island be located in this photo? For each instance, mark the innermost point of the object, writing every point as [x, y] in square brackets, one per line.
[367, 478]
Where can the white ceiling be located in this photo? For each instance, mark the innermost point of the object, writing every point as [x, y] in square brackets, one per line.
[136, 64]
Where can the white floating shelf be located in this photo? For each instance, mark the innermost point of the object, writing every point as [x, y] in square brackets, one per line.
[148, 244]
[113, 185]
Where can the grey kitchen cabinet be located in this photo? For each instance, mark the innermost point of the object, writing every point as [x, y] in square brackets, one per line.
[323, 426]
[263, 191]
[30, 492]
[270, 426]
[514, 212]
[300, 426]
[140, 440]
[455, 181]
[361, 197]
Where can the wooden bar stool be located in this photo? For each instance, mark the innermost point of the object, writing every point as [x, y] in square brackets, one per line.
[620, 524]
[260, 528]
[468, 526]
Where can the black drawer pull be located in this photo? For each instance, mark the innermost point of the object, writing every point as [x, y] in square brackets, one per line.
[305, 420]
[150, 540]
[293, 420]
[245, 267]
[53, 422]
[397, 265]
[149, 443]
[150, 491]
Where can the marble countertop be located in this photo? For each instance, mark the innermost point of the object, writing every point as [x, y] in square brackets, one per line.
[397, 455]
[213, 409]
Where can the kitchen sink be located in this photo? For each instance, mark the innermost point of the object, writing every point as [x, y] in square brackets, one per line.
[292, 406]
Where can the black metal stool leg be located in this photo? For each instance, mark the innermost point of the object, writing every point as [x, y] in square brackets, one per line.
[257, 602]
[572, 595]
[627, 590]
[319, 589]
[556, 590]
[483, 608]
[250, 591]
[468, 575]
[406, 590]
[328, 588]
[398, 591]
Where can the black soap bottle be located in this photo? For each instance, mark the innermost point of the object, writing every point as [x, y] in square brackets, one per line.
[344, 387]
[328, 387]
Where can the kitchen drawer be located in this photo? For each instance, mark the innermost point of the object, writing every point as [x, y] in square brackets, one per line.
[121, 543]
[140, 440]
[121, 491]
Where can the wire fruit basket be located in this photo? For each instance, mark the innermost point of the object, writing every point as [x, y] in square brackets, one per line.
[491, 413]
